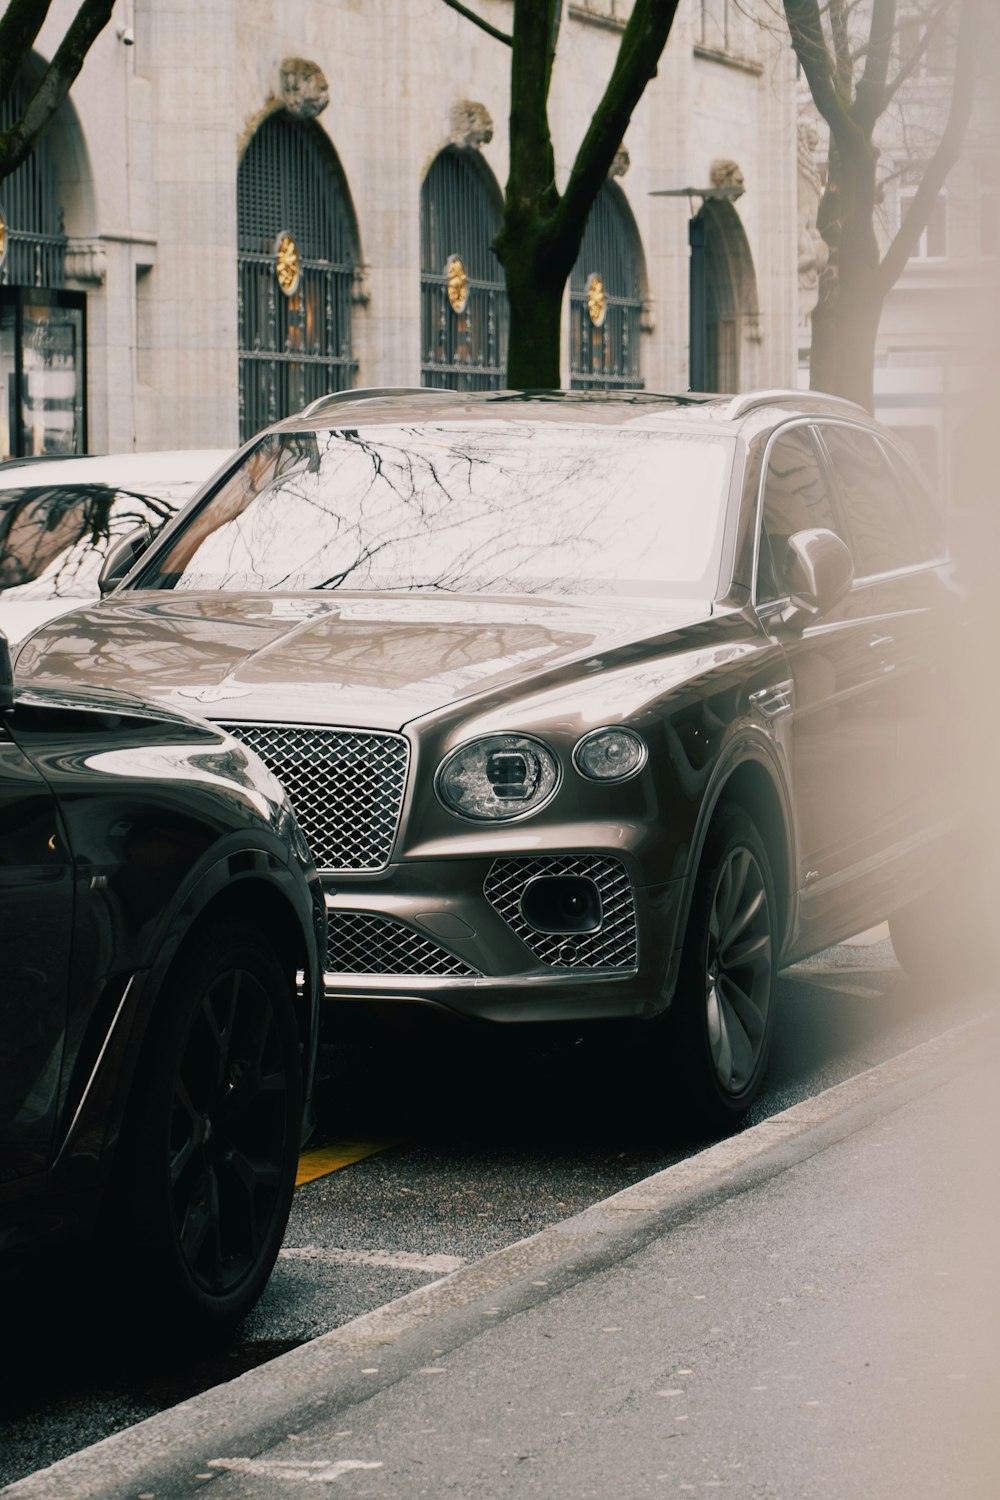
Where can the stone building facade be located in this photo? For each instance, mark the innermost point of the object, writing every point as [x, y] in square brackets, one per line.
[262, 201]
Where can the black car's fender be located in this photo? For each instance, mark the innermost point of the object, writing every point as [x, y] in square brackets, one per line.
[244, 879]
[749, 773]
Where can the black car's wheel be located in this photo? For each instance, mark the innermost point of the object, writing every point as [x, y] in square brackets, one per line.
[722, 1016]
[212, 1146]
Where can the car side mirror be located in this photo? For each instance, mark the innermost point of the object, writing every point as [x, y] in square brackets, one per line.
[6, 677]
[123, 556]
[818, 572]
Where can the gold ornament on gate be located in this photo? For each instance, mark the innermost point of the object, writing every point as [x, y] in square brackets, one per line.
[597, 300]
[287, 268]
[457, 283]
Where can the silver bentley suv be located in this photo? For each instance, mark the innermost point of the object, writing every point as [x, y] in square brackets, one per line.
[591, 705]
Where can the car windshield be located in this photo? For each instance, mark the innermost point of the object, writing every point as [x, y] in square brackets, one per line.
[495, 508]
[53, 539]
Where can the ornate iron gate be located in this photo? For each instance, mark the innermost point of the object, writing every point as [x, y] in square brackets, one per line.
[605, 302]
[298, 252]
[464, 309]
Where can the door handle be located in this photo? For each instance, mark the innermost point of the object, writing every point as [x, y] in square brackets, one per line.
[880, 640]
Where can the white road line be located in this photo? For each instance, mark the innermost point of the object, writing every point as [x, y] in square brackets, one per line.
[318, 1471]
[392, 1260]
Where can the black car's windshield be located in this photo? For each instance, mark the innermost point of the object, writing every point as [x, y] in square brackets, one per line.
[497, 508]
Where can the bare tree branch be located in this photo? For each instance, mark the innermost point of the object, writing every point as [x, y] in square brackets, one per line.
[869, 99]
[839, 30]
[949, 146]
[19, 26]
[17, 143]
[470, 15]
[805, 26]
[636, 64]
[916, 57]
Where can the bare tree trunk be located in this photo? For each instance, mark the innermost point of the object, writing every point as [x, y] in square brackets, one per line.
[847, 315]
[535, 329]
[542, 228]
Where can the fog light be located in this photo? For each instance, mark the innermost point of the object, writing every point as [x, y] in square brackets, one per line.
[562, 904]
[609, 754]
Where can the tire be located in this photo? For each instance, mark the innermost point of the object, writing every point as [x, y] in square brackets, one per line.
[722, 1016]
[212, 1143]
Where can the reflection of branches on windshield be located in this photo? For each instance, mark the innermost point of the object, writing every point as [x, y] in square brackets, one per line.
[505, 509]
[446, 502]
[68, 525]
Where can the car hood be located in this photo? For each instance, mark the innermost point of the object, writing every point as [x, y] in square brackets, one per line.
[19, 617]
[357, 660]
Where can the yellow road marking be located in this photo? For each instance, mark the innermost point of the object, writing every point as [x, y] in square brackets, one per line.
[327, 1159]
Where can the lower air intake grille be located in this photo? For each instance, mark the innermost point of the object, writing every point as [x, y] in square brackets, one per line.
[345, 785]
[360, 943]
[613, 946]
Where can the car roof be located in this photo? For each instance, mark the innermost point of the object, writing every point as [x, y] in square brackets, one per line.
[133, 471]
[648, 409]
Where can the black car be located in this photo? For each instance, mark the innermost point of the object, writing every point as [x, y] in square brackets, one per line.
[160, 941]
[592, 705]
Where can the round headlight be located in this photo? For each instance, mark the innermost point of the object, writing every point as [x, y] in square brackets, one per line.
[499, 777]
[609, 754]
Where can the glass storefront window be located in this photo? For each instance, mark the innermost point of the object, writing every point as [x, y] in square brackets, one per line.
[42, 372]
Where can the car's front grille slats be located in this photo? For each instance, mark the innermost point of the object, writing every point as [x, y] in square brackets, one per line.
[361, 942]
[345, 785]
[614, 945]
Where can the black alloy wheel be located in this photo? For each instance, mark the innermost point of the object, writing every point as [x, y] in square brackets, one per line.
[211, 1163]
[723, 1012]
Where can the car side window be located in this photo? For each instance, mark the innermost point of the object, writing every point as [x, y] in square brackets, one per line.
[796, 498]
[925, 515]
[882, 529]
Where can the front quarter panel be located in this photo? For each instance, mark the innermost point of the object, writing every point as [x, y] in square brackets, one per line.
[154, 809]
[707, 703]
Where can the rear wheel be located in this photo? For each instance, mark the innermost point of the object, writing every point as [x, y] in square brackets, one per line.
[212, 1145]
[722, 1015]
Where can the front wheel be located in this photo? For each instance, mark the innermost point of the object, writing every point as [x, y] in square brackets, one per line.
[722, 1016]
[212, 1143]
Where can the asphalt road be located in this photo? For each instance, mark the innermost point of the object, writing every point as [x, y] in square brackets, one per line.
[488, 1149]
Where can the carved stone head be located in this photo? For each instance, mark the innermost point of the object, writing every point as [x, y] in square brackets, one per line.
[471, 124]
[726, 174]
[305, 92]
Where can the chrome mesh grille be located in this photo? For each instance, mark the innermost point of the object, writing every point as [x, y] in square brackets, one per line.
[613, 946]
[345, 785]
[361, 943]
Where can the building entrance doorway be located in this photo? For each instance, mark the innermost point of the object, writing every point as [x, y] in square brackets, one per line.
[725, 316]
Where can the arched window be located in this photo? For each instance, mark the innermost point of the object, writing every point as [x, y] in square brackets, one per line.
[36, 241]
[605, 299]
[464, 311]
[298, 249]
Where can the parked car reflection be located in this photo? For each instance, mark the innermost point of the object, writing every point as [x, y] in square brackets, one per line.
[59, 518]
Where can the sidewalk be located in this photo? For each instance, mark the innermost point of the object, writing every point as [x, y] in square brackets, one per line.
[808, 1309]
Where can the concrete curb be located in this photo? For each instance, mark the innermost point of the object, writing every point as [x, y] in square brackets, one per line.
[163, 1454]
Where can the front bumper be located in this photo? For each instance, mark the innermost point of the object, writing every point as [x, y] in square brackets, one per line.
[450, 935]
